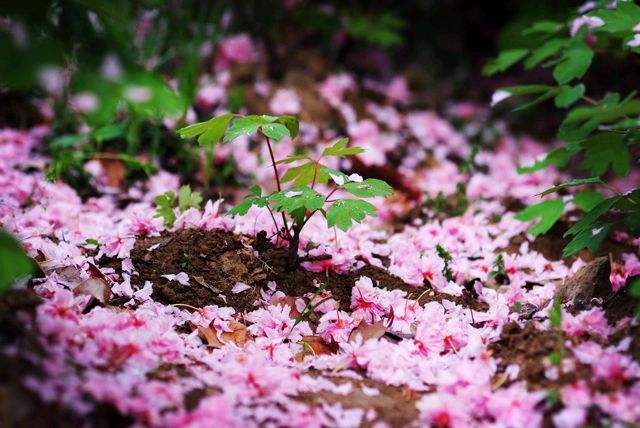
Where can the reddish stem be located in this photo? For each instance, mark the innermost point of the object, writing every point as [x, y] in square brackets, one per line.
[275, 172]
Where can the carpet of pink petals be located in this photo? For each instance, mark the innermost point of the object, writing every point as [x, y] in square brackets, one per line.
[107, 354]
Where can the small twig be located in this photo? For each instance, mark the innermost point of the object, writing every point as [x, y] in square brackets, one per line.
[185, 305]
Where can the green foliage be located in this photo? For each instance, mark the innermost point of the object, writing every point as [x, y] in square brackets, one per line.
[555, 314]
[345, 211]
[446, 258]
[548, 211]
[572, 183]
[301, 201]
[601, 132]
[368, 188]
[452, 206]
[634, 291]
[498, 272]
[164, 208]
[587, 200]
[165, 204]
[188, 199]
[14, 263]
[504, 61]
[604, 150]
[383, 30]
[574, 63]
[568, 95]
[209, 132]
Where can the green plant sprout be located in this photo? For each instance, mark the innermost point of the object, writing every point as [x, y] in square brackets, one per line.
[300, 200]
[555, 320]
[498, 273]
[446, 258]
[165, 204]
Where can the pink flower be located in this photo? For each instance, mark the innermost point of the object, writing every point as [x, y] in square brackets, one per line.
[285, 101]
[398, 90]
[237, 49]
[615, 369]
[335, 325]
[572, 417]
[515, 406]
[590, 21]
[240, 287]
[181, 277]
[444, 410]
[366, 300]
[333, 88]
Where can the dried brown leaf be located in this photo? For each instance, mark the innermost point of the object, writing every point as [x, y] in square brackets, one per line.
[368, 331]
[96, 288]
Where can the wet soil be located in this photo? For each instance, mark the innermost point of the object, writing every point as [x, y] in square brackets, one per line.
[216, 261]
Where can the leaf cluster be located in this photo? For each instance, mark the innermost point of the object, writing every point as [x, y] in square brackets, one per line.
[300, 200]
[601, 133]
[166, 204]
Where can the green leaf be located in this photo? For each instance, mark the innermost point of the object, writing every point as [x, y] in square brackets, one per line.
[548, 211]
[587, 200]
[590, 238]
[343, 211]
[14, 263]
[188, 199]
[275, 131]
[606, 149]
[569, 95]
[543, 27]
[164, 208]
[630, 201]
[109, 132]
[301, 175]
[291, 159]
[542, 98]
[215, 130]
[634, 287]
[504, 60]
[572, 183]
[292, 124]
[622, 19]
[368, 188]
[590, 218]
[526, 89]
[558, 157]
[581, 121]
[298, 198]
[340, 149]
[209, 132]
[555, 314]
[247, 125]
[242, 208]
[574, 64]
[255, 198]
[66, 141]
[549, 48]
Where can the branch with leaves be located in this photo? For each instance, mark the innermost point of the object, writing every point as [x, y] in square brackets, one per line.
[600, 132]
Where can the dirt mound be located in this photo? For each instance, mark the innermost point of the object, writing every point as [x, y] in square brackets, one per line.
[216, 261]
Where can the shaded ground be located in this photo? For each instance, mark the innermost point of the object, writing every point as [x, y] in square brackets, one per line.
[216, 261]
